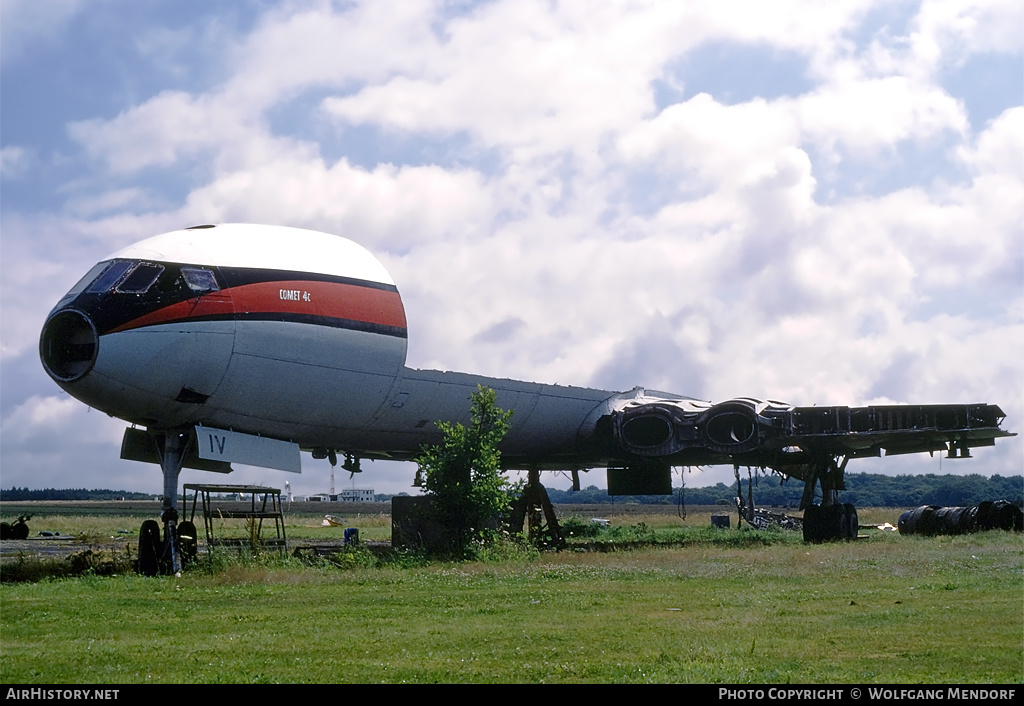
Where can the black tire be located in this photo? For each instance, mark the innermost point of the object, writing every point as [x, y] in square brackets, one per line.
[188, 542]
[956, 520]
[19, 530]
[944, 520]
[812, 524]
[851, 523]
[906, 522]
[150, 548]
[928, 523]
[969, 520]
[1017, 515]
[5, 531]
[985, 518]
[920, 521]
[835, 523]
[1002, 517]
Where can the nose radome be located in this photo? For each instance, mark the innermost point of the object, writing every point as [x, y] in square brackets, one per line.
[68, 345]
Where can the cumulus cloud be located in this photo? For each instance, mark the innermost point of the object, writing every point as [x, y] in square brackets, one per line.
[388, 207]
[168, 128]
[25, 24]
[947, 31]
[999, 149]
[718, 145]
[14, 161]
[872, 114]
[523, 77]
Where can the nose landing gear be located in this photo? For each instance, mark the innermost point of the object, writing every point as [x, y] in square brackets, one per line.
[158, 556]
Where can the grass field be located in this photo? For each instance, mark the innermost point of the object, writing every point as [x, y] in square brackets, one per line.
[719, 609]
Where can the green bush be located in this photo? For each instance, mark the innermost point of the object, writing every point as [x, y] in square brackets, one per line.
[463, 473]
[576, 526]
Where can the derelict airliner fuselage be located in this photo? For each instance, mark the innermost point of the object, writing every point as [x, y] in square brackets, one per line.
[280, 338]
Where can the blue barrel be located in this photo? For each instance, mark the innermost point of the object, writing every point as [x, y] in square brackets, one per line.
[351, 535]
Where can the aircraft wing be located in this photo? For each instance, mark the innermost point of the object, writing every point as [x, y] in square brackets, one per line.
[795, 441]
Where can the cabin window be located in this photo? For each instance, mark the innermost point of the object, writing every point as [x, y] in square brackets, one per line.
[199, 279]
[140, 279]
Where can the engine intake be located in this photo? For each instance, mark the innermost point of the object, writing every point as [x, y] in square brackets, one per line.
[655, 428]
[647, 431]
[730, 428]
[68, 345]
[696, 429]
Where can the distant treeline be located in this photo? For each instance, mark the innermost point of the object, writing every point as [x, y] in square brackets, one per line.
[17, 494]
[862, 489]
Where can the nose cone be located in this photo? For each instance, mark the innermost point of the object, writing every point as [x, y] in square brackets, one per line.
[68, 345]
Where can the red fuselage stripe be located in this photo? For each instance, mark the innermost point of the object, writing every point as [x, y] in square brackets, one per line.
[310, 300]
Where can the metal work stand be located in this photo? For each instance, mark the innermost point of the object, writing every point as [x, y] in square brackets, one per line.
[268, 507]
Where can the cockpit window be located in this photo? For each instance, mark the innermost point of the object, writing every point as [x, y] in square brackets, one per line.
[87, 280]
[114, 272]
[199, 279]
[140, 279]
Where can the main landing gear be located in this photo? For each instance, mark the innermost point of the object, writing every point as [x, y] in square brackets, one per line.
[826, 523]
[831, 520]
[533, 511]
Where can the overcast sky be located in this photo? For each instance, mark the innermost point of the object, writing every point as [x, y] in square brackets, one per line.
[821, 203]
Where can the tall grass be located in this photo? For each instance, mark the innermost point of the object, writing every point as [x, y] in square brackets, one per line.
[888, 609]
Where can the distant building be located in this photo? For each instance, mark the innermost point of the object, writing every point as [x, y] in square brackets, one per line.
[356, 495]
[352, 495]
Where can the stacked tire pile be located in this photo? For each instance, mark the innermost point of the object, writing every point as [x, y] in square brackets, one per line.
[989, 515]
